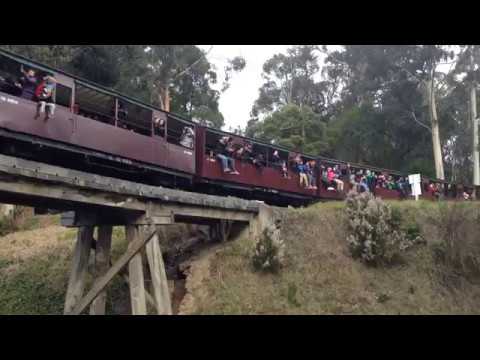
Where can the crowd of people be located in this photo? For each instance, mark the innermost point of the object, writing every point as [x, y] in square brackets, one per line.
[334, 177]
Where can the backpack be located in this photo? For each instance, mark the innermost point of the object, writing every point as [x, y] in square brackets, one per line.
[42, 91]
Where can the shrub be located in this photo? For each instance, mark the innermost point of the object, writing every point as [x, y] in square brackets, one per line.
[458, 226]
[269, 254]
[374, 230]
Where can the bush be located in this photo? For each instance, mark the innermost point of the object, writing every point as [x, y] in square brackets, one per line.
[269, 255]
[374, 230]
[458, 225]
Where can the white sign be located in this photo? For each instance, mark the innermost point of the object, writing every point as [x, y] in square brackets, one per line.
[415, 180]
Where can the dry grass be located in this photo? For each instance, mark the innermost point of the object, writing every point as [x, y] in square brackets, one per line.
[34, 269]
[322, 278]
[35, 265]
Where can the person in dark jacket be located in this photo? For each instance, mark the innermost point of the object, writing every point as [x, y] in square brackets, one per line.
[28, 82]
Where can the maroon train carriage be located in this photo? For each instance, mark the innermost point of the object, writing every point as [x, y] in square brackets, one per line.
[90, 132]
[265, 181]
[99, 130]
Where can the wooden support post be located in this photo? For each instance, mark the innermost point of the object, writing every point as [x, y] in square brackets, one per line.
[76, 283]
[103, 281]
[136, 279]
[161, 292]
[102, 261]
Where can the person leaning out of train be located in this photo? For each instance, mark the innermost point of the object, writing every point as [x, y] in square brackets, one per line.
[46, 95]
[28, 83]
[187, 138]
[224, 152]
[159, 126]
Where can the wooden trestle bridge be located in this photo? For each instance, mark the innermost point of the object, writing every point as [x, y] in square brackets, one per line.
[90, 201]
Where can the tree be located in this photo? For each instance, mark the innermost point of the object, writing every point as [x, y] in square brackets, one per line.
[293, 126]
[392, 80]
[290, 79]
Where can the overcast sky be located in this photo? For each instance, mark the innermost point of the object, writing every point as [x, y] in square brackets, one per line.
[237, 101]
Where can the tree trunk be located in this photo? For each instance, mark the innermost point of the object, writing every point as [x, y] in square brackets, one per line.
[164, 98]
[437, 147]
[473, 112]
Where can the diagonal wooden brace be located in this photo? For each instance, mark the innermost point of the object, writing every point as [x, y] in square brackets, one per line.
[103, 281]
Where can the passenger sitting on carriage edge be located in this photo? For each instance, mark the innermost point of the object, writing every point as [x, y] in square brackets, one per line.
[46, 94]
[371, 180]
[259, 161]
[224, 154]
[281, 164]
[302, 172]
[402, 187]
[337, 178]
[28, 83]
[331, 179]
[312, 180]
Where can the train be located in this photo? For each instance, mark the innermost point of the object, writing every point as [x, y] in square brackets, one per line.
[101, 131]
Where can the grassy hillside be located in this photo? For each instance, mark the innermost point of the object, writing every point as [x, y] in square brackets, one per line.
[321, 277]
[35, 264]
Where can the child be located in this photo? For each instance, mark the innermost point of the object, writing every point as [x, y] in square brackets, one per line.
[45, 94]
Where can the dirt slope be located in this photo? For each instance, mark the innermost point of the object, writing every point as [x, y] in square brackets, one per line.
[322, 278]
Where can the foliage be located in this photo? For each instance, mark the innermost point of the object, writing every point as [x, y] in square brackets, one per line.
[374, 232]
[269, 255]
[371, 101]
[293, 126]
[459, 248]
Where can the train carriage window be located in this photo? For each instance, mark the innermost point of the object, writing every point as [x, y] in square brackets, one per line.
[64, 95]
[134, 117]
[180, 133]
[94, 104]
[9, 76]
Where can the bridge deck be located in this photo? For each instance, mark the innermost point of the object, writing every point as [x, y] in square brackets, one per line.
[31, 183]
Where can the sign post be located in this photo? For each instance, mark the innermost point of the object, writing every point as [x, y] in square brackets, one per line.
[415, 181]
